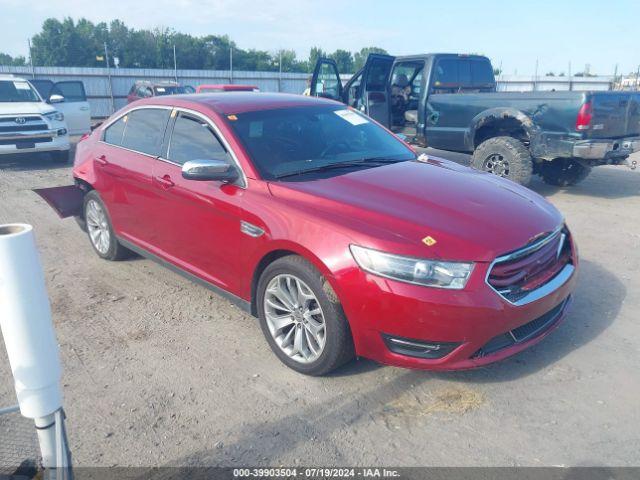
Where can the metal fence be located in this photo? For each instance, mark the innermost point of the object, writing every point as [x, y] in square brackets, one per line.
[97, 81]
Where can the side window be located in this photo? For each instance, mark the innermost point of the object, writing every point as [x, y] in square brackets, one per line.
[145, 130]
[194, 139]
[328, 79]
[71, 91]
[113, 134]
[43, 87]
[446, 74]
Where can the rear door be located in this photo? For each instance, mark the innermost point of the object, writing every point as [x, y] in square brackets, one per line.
[326, 81]
[124, 161]
[375, 91]
[198, 221]
[75, 106]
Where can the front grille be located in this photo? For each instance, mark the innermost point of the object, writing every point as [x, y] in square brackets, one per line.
[515, 275]
[28, 123]
[523, 333]
[26, 141]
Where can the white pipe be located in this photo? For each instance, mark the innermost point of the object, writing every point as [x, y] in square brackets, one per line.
[25, 321]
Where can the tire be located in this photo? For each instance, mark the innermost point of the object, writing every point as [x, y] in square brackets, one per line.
[506, 157]
[109, 248]
[563, 172]
[337, 347]
[61, 157]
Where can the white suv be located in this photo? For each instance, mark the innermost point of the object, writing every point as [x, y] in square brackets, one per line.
[28, 124]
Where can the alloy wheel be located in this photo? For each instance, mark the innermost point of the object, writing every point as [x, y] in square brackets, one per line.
[98, 226]
[295, 318]
[497, 165]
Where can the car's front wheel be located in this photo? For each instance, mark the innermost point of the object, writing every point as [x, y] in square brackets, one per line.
[99, 228]
[301, 317]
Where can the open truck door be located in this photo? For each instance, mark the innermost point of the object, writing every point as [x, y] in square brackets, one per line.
[374, 88]
[73, 105]
[326, 81]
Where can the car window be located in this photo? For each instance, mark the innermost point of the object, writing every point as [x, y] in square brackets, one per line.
[71, 91]
[283, 141]
[482, 73]
[43, 87]
[446, 73]
[328, 81]
[113, 133]
[354, 90]
[17, 91]
[464, 73]
[194, 139]
[145, 130]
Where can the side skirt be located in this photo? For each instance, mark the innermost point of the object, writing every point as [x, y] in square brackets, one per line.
[239, 302]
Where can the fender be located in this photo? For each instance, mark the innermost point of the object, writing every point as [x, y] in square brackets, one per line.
[496, 114]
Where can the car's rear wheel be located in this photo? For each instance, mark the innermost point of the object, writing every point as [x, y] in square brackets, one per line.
[563, 172]
[99, 228]
[302, 318]
[505, 157]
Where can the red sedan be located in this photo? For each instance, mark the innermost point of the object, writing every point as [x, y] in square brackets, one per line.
[328, 228]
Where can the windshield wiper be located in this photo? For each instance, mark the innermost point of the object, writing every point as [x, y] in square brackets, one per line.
[363, 162]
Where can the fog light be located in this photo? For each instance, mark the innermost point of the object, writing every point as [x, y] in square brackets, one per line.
[418, 348]
[62, 131]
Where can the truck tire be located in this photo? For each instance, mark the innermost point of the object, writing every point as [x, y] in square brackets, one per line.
[563, 172]
[506, 157]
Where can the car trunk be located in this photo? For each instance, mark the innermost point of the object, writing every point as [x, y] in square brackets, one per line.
[617, 112]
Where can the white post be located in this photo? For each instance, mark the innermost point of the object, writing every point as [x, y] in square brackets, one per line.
[33, 70]
[25, 322]
[106, 59]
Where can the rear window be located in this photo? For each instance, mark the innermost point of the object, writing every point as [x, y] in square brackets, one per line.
[482, 73]
[145, 130]
[451, 74]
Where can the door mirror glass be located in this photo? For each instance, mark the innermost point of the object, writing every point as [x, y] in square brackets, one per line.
[55, 98]
[203, 169]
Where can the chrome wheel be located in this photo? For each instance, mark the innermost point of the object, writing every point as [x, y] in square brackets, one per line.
[294, 317]
[98, 226]
[497, 165]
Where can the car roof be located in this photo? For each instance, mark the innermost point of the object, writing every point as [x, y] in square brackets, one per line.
[160, 83]
[225, 103]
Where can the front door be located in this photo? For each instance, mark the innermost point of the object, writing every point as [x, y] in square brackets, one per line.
[375, 88]
[75, 106]
[326, 81]
[199, 220]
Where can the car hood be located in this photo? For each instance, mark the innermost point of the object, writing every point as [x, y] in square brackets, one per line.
[471, 215]
[24, 108]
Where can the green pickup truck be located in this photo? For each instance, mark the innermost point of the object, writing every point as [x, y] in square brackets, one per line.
[450, 102]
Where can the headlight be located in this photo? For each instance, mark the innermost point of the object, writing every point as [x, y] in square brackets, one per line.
[431, 273]
[55, 115]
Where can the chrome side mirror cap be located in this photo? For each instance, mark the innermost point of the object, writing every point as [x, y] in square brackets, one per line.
[212, 170]
[55, 98]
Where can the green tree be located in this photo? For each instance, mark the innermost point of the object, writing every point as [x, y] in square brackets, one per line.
[344, 60]
[360, 58]
[315, 54]
[6, 59]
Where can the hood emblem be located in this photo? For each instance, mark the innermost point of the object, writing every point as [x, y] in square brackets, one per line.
[20, 120]
[429, 241]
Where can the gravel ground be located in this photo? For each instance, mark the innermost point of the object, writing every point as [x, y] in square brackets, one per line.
[160, 371]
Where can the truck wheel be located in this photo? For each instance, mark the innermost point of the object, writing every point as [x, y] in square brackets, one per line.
[563, 172]
[506, 157]
[60, 157]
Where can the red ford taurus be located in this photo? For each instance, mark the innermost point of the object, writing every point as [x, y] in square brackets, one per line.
[328, 228]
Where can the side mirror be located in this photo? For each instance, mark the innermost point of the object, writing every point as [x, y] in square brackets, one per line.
[218, 170]
[55, 98]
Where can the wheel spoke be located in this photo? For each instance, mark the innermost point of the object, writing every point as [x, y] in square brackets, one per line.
[281, 321]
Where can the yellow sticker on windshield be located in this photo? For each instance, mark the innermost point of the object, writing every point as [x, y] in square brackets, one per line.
[429, 241]
[233, 118]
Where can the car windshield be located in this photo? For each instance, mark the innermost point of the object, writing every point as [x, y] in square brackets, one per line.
[17, 91]
[294, 141]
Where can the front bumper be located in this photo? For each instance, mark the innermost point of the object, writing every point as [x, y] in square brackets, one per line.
[469, 320]
[605, 149]
[34, 141]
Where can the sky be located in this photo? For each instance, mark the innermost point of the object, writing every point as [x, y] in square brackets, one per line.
[514, 34]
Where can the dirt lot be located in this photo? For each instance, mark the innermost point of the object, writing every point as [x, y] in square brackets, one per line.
[159, 371]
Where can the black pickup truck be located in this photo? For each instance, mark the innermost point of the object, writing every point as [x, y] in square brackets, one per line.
[450, 102]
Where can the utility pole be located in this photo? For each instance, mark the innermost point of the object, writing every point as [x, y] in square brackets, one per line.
[33, 70]
[175, 64]
[570, 83]
[638, 78]
[230, 63]
[615, 77]
[106, 60]
[535, 77]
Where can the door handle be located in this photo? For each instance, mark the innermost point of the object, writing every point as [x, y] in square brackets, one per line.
[84, 109]
[165, 181]
[102, 160]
